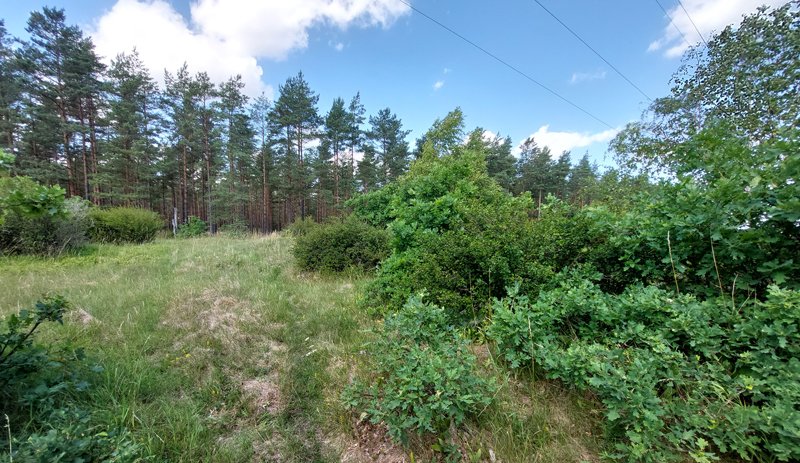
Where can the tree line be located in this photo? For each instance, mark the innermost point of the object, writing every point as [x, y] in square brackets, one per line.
[109, 134]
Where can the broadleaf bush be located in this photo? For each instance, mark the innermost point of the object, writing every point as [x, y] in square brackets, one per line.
[124, 225]
[427, 373]
[45, 233]
[677, 376]
[40, 387]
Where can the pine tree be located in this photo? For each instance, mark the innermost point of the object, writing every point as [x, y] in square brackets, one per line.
[238, 150]
[535, 169]
[180, 98]
[206, 118]
[581, 177]
[45, 58]
[337, 129]
[259, 115]
[355, 136]
[128, 153]
[388, 138]
[561, 174]
[10, 91]
[367, 174]
[295, 121]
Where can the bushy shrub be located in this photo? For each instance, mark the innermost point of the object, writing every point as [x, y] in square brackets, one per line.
[677, 375]
[40, 384]
[195, 227]
[124, 225]
[302, 227]
[731, 217]
[337, 246]
[428, 379]
[23, 196]
[46, 234]
[464, 240]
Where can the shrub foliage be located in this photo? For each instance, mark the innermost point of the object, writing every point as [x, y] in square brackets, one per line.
[45, 233]
[193, 228]
[428, 380]
[676, 374]
[337, 246]
[40, 386]
[124, 225]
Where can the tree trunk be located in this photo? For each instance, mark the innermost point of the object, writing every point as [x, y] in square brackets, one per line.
[185, 198]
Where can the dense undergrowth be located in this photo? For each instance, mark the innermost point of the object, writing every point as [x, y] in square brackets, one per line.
[680, 314]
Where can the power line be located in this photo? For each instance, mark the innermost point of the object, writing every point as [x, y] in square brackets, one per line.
[693, 24]
[673, 23]
[593, 50]
[508, 65]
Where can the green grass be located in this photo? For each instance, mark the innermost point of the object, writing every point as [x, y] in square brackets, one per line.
[218, 349]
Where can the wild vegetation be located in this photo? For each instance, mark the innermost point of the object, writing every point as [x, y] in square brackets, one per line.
[517, 311]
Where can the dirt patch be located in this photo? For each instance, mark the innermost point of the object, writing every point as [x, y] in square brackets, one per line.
[345, 288]
[264, 394]
[211, 315]
[83, 316]
[268, 450]
[372, 444]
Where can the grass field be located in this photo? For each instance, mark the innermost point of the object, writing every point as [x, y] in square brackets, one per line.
[218, 349]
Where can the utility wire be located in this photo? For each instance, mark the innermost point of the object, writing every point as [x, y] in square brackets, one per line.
[693, 24]
[508, 65]
[593, 50]
[673, 23]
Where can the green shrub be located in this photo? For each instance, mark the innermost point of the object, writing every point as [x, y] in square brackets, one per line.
[335, 247]
[302, 227]
[731, 215]
[40, 385]
[46, 234]
[195, 227]
[464, 240]
[677, 375]
[428, 379]
[124, 225]
[25, 197]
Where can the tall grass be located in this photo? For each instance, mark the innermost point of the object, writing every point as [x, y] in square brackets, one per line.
[219, 349]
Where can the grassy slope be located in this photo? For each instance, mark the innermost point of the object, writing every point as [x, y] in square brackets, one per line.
[217, 349]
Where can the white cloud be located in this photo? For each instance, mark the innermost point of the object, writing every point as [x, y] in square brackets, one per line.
[585, 76]
[709, 16]
[558, 142]
[438, 85]
[226, 37]
[339, 46]
[446, 70]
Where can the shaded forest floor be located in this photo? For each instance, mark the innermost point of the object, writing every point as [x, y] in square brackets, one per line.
[218, 349]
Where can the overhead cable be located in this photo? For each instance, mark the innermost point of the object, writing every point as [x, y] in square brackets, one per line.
[508, 65]
[593, 50]
[693, 24]
[673, 23]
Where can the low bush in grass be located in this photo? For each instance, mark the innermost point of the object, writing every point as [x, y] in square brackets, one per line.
[337, 246]
[193, 228]
[678, 376]
[427, 382]
[302, 227]
[124, 225]
[46, 234]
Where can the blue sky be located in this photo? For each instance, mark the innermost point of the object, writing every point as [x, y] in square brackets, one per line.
[399, 59]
